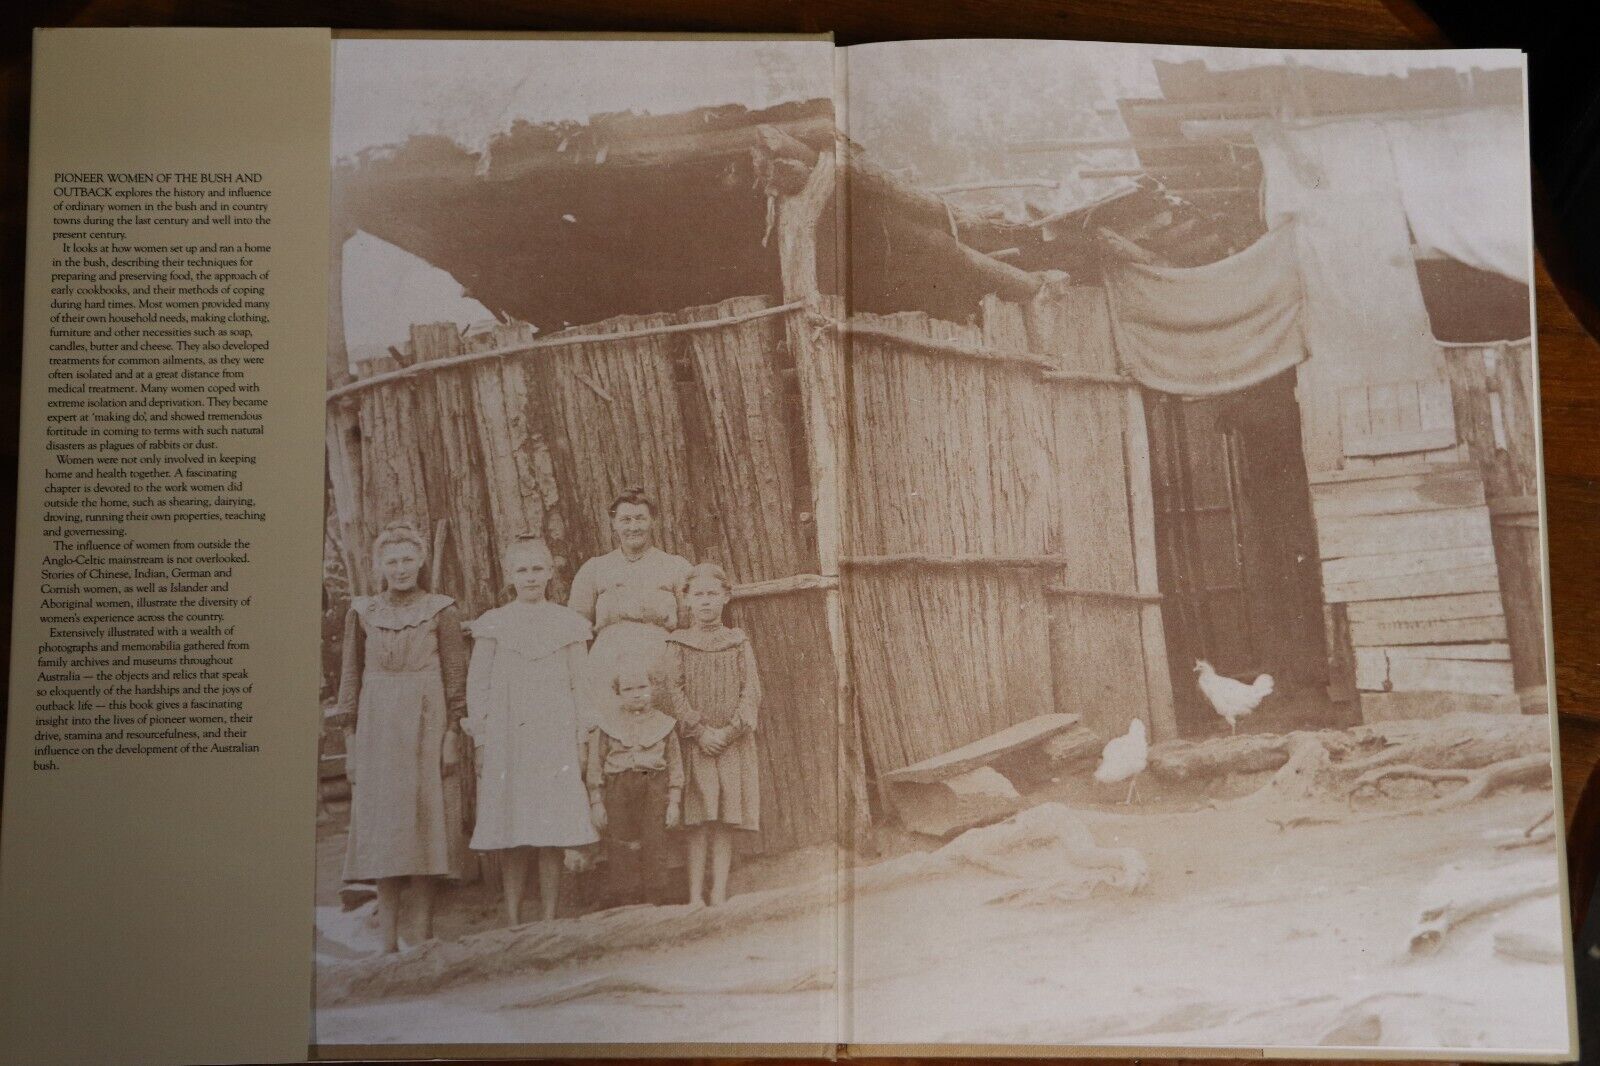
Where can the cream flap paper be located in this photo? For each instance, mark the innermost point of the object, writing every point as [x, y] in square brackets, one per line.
[159, 790]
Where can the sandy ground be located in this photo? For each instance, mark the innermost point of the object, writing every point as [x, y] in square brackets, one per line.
[1245, 935]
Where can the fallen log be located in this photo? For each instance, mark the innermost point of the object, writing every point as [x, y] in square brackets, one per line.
[1456, 742]
[1185, 760]
[542, 946]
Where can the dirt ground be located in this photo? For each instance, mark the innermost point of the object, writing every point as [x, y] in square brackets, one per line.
[1245, 935]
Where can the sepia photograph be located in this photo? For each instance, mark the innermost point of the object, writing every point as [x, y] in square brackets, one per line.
[937, 544]
[581, 701]
[1220, 467]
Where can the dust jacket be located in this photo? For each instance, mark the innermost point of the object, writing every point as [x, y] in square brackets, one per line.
[729, 545]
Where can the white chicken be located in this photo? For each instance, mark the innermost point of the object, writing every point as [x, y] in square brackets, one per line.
[1124, 758]
[1229, 698]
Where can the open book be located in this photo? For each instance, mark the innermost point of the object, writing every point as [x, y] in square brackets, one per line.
[987, 547]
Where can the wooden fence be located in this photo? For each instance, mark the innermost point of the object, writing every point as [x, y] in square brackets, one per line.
[993, 496]
[997, 510]
[695, 406]
[1492, 386]
[1430, 542]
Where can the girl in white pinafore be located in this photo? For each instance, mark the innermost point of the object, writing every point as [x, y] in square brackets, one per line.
[523, 686]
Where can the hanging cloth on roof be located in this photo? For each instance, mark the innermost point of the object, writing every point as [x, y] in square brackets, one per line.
[1464, 183]
[1363, 301]
[1364, 319]
[1201, 331]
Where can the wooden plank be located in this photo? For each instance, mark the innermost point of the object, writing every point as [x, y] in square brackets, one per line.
[985, 750]
[493, 419]
[345, 480]
[1355, 418]
[1402, 564]
[819, 372]
[1514, 505]
[1341, 655]
[783, 586]
[1399, 442]
[1141, 515]
[1433, 631]
[1520, 545]
[1020, 438]
[1394, 418]
[394, 484]
[1391, 706]
[1384, 670]
[1020, 430]
[1436, 408]
[1388, 405]
[1401, 494]
[1404, 465]
[1383, 534]
[1493, 391]
[1497, 652]
[1482, 578]
[1096, 646]
[1427, 609]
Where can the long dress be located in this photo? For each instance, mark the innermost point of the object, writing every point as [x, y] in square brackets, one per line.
[527, 660]
[633, 604]
[403, 681]
[711, 680]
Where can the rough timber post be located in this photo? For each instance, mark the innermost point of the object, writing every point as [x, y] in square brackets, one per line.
[344, 474]
[1142, 520]
[819, 369]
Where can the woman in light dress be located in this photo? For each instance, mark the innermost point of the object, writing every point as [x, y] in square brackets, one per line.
[525, 685]
[401, 684]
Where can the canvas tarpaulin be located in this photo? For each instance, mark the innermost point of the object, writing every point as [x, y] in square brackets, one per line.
[1464, 183]
[1337, 181]
[1201, 331]
[1364, 318]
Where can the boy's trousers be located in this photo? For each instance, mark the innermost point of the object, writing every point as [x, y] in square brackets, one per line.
[636, 836]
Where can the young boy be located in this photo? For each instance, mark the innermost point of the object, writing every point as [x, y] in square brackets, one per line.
[635, 777]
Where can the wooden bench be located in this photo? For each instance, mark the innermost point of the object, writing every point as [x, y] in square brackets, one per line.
[959, 789]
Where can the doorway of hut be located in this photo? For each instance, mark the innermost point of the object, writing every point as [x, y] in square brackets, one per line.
[1237, 554]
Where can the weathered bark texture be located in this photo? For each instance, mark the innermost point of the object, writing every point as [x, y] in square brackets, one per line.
[1494, 395]
[1000, 517]
[1109, 652]
[948, 458]
[542, 441]
[1484, 753]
